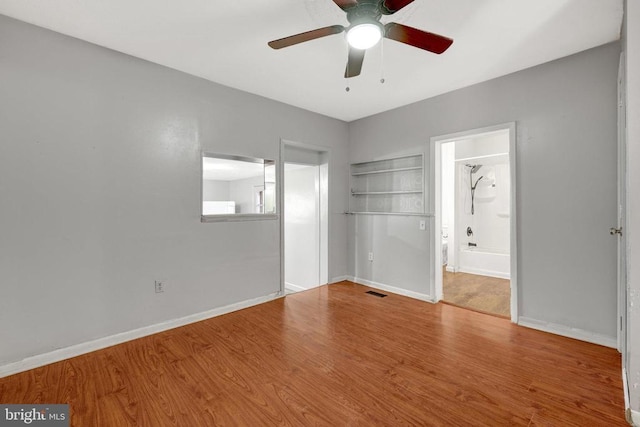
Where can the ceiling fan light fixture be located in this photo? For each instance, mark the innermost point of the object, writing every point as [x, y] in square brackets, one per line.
[363, 36]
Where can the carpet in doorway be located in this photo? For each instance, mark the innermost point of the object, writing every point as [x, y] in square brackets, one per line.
[481, 293]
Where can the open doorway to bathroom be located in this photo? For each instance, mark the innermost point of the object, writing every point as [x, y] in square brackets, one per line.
[474, 214]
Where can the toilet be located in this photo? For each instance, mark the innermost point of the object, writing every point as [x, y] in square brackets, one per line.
[445, 247]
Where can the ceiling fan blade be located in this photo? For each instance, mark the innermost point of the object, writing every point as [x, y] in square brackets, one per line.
[418, 38]
[346, 4]
[389, 7]
[306, 36]
[354, 63]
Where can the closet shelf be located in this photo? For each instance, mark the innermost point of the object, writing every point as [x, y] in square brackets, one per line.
[370, 193]
[387, 171]
[388, 187]
[426, 215]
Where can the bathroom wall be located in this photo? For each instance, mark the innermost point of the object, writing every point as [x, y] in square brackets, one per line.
[482, 145]
[490, 221]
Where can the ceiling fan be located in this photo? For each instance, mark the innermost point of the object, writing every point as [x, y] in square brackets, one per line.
[365, 30]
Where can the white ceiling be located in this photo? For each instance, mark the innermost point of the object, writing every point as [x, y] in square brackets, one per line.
[226, 42]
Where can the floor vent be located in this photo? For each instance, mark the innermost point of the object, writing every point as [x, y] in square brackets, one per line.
[378, 294]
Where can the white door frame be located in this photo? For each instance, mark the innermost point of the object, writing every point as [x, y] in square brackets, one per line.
[324, 234]
[622, 213]
[435, 196]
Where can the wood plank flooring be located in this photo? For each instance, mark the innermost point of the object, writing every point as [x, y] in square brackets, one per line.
[481, 293]
[335, 356]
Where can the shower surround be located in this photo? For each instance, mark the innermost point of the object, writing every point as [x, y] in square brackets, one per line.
[480, 209]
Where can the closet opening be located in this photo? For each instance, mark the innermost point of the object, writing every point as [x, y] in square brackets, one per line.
[305, 195]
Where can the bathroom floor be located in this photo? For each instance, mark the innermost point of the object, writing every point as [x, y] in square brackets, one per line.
[481, 293]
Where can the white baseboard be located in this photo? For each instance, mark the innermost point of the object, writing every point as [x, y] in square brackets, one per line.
[481, 272]
[633, 417]
[399, 291]
[625, 388]
[451, 269]
[100, 343]
[293, 287]
[340, 279]
[567, 331]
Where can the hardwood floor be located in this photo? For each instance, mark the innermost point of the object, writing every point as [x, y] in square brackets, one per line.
[481, 293]
[336, 356]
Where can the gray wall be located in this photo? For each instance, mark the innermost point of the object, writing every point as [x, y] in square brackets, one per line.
[99, 189]
[633, 151]
[100, 192]
[566, 184]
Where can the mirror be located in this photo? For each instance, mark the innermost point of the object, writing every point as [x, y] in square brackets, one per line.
[237, 186]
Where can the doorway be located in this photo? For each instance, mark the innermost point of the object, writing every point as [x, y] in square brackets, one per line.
[305, 173]
[473, 195]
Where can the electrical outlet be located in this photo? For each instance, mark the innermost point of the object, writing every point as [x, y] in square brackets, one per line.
[159, 286]
[423, 224]
[370, 256]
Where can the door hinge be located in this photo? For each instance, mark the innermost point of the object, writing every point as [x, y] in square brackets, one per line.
[613, 231]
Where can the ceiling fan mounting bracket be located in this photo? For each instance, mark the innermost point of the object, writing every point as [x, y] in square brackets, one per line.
[364, 12]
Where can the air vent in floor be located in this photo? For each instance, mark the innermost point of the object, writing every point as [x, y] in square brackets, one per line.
[378, 294]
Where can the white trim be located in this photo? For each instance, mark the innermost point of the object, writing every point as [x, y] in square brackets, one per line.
[625, 389]
[435, 204]
[399, 291]
[486, 156]
[100, 343]
[481, 272]
[623, 212]
[294, 288]
[632, 416]
[513, 221]
[280, 199]
[280, 209]
[567, 331]
[340, 279]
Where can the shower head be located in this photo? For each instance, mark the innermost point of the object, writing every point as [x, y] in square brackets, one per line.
[474, 168]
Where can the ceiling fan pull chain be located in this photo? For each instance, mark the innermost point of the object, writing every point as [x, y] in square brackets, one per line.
[381, 61]
[347, 89]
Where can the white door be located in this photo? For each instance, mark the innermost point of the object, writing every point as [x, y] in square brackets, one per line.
[301, 226]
